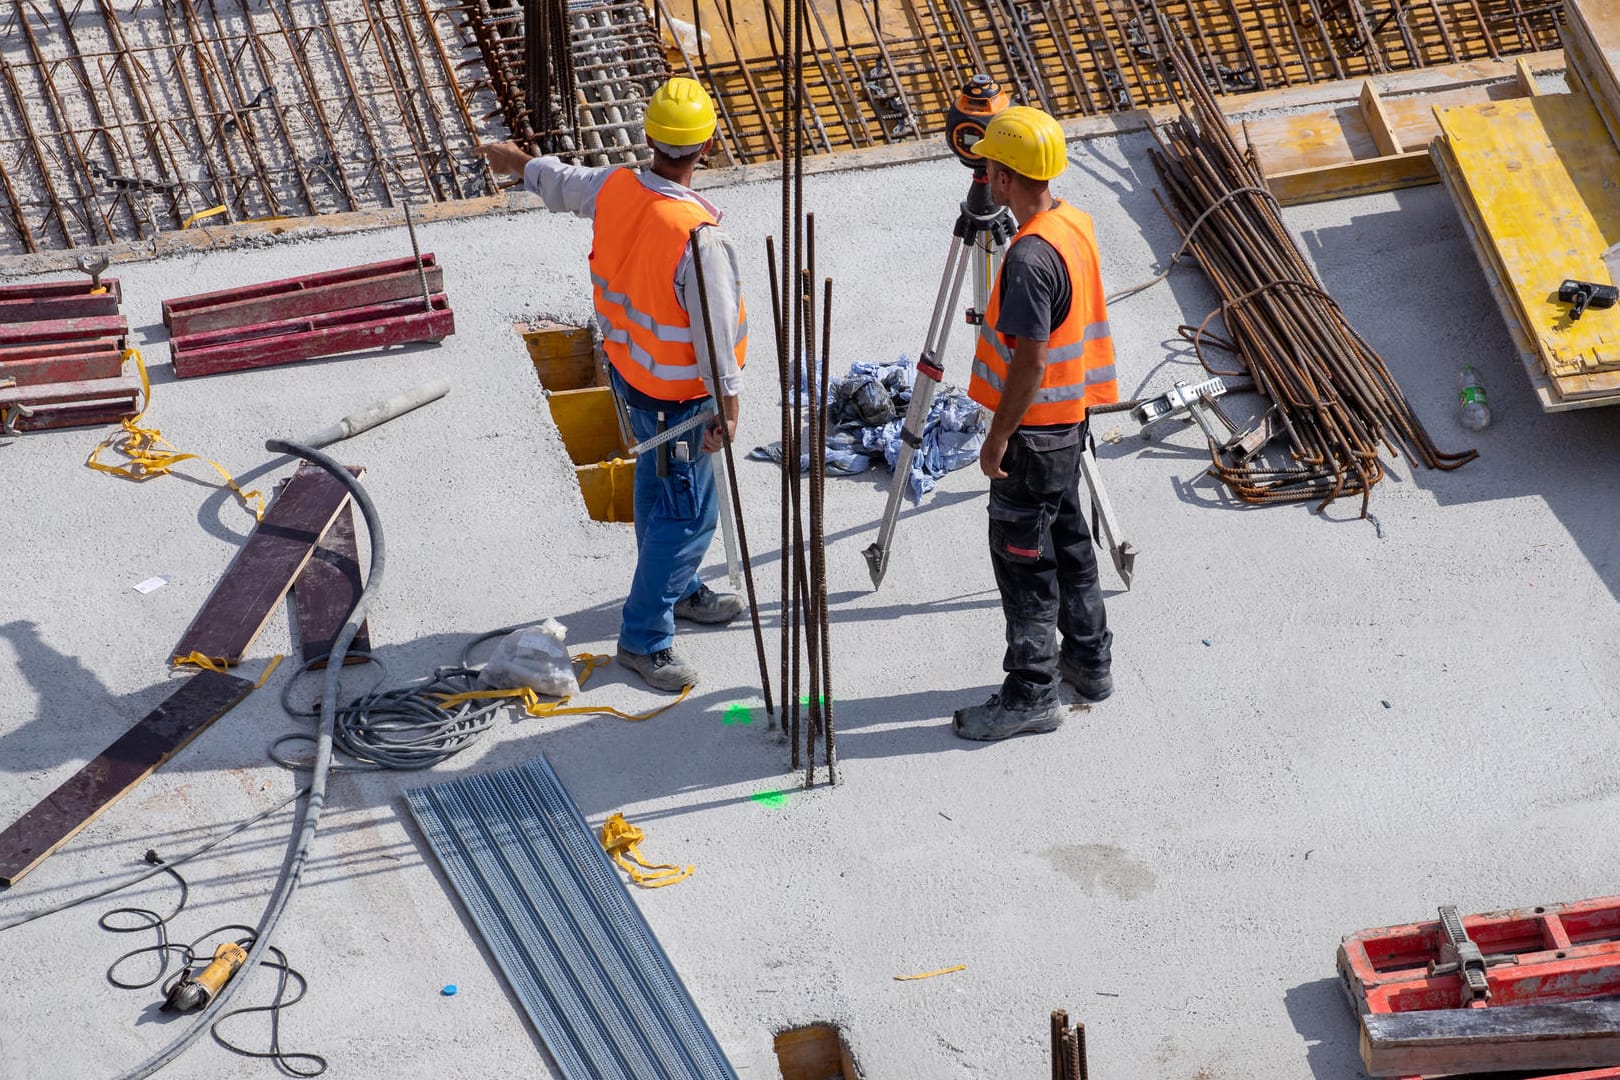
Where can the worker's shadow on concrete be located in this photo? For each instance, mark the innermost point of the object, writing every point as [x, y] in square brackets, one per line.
[76, 715]
[1328, 1026]
[1427, 332]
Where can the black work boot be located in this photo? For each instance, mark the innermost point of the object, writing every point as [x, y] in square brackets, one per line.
[1090, 685]
[662, 670]
[997, 720]
[709, 607]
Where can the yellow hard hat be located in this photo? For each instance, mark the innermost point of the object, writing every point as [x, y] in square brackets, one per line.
[680, 114]
[1027, 141]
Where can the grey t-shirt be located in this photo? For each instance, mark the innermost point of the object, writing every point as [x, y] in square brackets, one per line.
[1035, 298]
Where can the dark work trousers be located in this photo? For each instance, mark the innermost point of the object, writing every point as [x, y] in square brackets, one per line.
[1046, 570]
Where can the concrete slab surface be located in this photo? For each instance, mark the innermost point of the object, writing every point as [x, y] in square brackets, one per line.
[1322, 723]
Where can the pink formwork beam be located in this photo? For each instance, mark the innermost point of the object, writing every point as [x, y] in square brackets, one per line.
[190, 312]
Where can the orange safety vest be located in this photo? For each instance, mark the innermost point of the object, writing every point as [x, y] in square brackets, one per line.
[640, 238]
[1080, 352]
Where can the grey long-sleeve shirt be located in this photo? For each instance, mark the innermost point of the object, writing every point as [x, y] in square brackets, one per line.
[572, 189]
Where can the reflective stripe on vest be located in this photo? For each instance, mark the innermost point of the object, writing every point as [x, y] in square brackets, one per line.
[639, 241]
[1080, 353]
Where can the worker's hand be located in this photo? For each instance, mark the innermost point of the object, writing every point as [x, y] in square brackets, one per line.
[713, 441]
[504, 157]
[990, 455]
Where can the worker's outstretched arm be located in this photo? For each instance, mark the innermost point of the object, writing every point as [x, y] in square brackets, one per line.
[1024, 375]
[722, 276]
[566, 189]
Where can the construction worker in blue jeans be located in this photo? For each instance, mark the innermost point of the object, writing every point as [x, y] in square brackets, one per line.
[646, 299]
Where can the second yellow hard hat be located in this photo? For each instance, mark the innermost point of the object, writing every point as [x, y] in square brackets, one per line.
[1027, 141]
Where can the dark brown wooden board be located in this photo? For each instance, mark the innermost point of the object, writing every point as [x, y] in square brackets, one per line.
[1438, 1042]
[161, 734]
[266, 567]
[325, 593]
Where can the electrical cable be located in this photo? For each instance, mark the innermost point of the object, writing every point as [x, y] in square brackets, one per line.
[190, 957]
[303, 834]
[1186, 241]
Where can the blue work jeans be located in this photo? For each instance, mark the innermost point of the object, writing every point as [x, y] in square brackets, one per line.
[675, 520]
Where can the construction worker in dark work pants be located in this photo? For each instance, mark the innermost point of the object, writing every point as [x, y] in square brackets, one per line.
[646, 300]
[1044, 356]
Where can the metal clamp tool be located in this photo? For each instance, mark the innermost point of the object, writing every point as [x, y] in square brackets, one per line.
[1460, 956]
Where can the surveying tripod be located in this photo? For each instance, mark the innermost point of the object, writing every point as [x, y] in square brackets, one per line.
[978, 241]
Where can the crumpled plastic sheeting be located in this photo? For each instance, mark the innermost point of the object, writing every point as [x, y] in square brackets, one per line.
[952, 434]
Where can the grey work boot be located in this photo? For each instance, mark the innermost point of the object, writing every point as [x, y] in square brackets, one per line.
[709, 607]
[1090, 685]
[662, 670]
[995, 720]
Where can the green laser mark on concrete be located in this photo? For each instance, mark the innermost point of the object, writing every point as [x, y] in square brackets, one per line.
[738, 713]
[771, 798]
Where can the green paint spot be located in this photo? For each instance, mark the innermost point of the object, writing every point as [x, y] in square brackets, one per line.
[738, 713]
[804, 699]
[771, 798]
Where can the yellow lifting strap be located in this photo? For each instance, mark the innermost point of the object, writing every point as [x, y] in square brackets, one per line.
[535, 707]
[143, 447]
[621, 840]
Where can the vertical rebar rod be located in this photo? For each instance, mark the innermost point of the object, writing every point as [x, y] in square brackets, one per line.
[73, 160]
[805, 534]
[820, 528]
[787, 447]
[20, 103]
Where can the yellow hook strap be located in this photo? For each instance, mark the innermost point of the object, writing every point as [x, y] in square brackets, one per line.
[142, 446]
[534, 706]
[621, 840]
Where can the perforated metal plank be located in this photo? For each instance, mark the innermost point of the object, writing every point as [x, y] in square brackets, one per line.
[576, 951]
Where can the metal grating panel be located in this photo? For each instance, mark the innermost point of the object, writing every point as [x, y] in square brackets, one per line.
[591, 976]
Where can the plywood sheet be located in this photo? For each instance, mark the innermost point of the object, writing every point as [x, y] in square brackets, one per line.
[1539, 173]
[162, 733]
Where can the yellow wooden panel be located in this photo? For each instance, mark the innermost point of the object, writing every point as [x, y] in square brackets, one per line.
[1540, 173]
[1377, 120]
[1349, 178]
[588, 423]
[562, 356]
[609, 488]
[1290, 143]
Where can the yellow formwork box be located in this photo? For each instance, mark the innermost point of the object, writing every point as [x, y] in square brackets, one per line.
[582, 407]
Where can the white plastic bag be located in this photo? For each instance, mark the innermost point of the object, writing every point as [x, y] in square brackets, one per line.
[534, 656]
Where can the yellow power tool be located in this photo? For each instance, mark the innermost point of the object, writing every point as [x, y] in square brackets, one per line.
[196, 991]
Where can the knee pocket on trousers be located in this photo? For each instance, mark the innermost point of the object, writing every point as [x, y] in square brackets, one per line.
[1017, 533]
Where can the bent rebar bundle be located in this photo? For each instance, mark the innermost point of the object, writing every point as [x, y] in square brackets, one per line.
[1335, 398]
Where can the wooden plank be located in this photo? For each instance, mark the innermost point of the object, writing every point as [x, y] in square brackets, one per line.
[33, 309]
[77, 414]
[47, 290]
[1575, 1034]
[280, 286]
[310, 301]
[266, 567]
[1377, 121]
[1539, 172]
[46, 330]
[162, 733]
[1554, 394]
[73, 365]
[85, 390]
[1353, 178]
[346, 336]
[563, 356]
[1525, 79]
[588, 422]
[326, 591]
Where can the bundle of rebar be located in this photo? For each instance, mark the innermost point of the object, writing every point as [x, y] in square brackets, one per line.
[802, 369]
[1335, 398]
[1068, 1048]
[548, 74]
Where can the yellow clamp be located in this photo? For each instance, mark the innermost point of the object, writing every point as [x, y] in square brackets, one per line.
[535, 707]
[142, 447]
[620, 839]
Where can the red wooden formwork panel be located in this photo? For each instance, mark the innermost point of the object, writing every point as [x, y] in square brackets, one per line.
[44, 331]
[55, 290]
[315, 300]
[1563, 952]
[34, 309]
[74, 364]
[399, 322]
[199, 301]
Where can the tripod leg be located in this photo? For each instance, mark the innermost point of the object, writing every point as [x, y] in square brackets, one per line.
[929, 372]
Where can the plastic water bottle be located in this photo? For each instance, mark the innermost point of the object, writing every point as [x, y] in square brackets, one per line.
[1476, 410]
